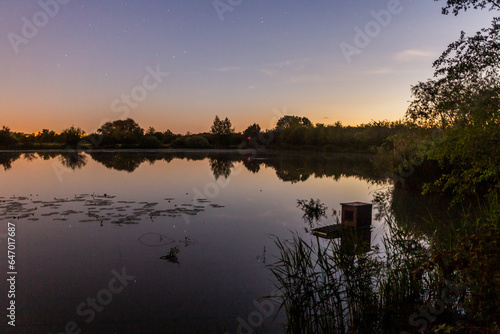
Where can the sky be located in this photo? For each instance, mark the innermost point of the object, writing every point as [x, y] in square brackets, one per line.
[175, 64]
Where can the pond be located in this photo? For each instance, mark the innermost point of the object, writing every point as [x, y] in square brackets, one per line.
[161, 242]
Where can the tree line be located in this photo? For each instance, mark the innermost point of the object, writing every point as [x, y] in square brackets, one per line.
[291, 132]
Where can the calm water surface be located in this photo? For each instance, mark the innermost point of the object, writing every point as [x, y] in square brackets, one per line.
[189, 235]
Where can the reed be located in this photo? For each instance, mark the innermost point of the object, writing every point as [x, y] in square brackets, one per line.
[414, 282]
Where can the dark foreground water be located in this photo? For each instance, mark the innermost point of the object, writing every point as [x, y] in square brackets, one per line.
[157, 242]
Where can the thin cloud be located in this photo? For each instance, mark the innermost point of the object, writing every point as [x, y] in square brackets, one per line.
[268, 72]
[292, 62]
[306, 78]
[228, 69]
[384, 70]
[281, 63]
[412, 54]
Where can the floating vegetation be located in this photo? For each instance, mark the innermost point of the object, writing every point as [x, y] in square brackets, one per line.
[95, 208]
[189, 241]
[172, 256]
[104, 196]
[261, 258]
[49, 214]
[202, 200]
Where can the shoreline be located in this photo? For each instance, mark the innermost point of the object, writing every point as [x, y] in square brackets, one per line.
[136, 150]
[243, 152]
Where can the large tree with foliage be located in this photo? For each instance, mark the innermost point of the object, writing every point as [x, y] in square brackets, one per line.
[463, 99]
[252, 131]
[72, 136]
[291, 130]
[288, 121]
[125, 127]
[125, 131]
[458, 5]
[222, 128]
[6, 137]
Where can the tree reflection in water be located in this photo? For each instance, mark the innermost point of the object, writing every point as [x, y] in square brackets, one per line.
[73, 160]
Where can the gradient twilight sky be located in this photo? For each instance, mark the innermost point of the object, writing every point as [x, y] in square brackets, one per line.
[263, 56]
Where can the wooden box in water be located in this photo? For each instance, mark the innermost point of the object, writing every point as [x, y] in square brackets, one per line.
[356, 214]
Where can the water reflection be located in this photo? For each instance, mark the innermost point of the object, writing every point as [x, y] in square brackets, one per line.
[171, 240]
[417, 212]
[314, 212]
[261, 258]
[121, 161]
[289, 167]
[340, 283]
[355, 233]
[221, 166]
[6, 159]
[47, 155]
[29, 156]
[72, 160]
[252, 165]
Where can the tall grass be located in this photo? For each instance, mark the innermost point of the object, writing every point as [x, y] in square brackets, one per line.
[414, 283]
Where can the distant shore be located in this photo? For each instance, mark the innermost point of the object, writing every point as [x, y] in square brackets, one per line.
[243, 152]
[137, 150]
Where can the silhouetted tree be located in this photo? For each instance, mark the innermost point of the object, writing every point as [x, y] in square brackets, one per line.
[457, 5]
[252, 131]
[292, 121]
[6, 137]
[168, 137]
[121, 131]
[222, 130]
[47, 136]
[72, 136]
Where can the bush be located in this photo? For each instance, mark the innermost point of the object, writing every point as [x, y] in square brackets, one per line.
[191, 142]
[197, 142]
[149, 141]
